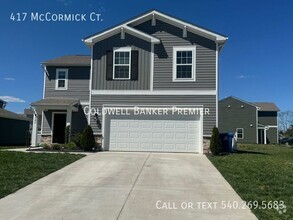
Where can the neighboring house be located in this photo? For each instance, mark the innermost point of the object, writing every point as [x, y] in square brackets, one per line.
[254, 122]
[151, 62]
[14, 128]
[2, 104]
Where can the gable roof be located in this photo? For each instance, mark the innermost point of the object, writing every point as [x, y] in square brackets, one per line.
[69, 60]
[11, 115]
[115, 30]
[266, 106]
[157, 15]
[261, 106]
[241, 100]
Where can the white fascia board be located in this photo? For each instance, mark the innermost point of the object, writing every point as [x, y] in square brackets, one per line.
[157, 92]
[117, 30]
[141, 34]
[179, 23]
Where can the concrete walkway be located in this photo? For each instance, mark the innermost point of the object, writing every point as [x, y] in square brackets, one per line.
[128, 186]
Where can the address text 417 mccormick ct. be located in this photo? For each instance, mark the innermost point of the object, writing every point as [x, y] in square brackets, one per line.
[55, 17]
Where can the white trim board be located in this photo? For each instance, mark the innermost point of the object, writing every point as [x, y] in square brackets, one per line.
[127, 29]
[156, 92]
[152, 66]
[179, 23]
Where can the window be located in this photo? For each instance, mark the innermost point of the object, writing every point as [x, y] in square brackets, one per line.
[184, 63]
[122, 63]
[61, 79]
[240, 133]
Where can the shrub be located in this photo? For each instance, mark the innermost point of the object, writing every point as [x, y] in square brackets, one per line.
[67, 134]
[45, 146]
[56, 146]
[77, 139]
[71, 146]
[215, 145]
[88, 142]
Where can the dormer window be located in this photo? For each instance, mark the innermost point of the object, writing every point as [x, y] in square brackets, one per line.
[61, 79]
[184, 60]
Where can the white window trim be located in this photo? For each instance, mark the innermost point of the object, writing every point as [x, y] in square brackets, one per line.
[57, 79]
[122, 49]
[193, 74]
[242, 133]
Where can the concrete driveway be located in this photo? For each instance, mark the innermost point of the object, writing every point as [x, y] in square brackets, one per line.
[128, 186]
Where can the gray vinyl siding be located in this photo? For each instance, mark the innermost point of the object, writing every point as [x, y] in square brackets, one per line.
[269, 118]
[99, 81]
[78, 121]
[47, 122]
[171, 36]
[78, 83]
[237, 117]
[207, 101]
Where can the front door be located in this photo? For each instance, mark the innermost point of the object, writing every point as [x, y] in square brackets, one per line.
[59, 124]
[261, 136]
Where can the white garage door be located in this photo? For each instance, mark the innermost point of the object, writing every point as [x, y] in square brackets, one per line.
[155, 135]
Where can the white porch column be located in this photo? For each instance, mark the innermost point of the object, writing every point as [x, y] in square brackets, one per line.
[265, 136]
[68, 116]
[34, 137]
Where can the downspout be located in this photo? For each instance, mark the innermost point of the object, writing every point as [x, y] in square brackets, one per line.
[217, 78]
[90, 85]
[256, 124]
[45, 69]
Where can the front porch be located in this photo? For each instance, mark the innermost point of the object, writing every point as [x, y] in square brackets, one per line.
[58, 114]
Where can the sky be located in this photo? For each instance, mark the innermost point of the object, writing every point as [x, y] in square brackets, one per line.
[255, 64]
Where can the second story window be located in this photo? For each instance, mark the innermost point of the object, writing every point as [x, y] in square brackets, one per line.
[122, 63]
[61, 79]
[184, 63]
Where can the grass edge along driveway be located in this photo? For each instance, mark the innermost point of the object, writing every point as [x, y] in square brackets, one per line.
[263, 176]
[18, 169]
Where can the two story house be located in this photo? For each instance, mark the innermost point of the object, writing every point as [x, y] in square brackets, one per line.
[254, 122]
[150, 84]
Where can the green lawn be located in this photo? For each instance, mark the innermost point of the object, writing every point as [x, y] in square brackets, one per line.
[260, 173]
[19, 169]
[11, 147]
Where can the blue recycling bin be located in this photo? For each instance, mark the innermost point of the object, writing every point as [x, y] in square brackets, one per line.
[226, 139]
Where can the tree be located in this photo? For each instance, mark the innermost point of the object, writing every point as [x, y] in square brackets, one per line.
[285, 120]
[215, 145]
[289, 132]
[88, 142]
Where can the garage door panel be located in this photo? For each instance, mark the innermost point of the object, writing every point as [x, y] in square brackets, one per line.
[154, 135]
[158, 135]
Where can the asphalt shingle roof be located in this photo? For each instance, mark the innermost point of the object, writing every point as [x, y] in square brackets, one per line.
[70, 60]
[55, 101]
[266, 106]
[11, 115]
